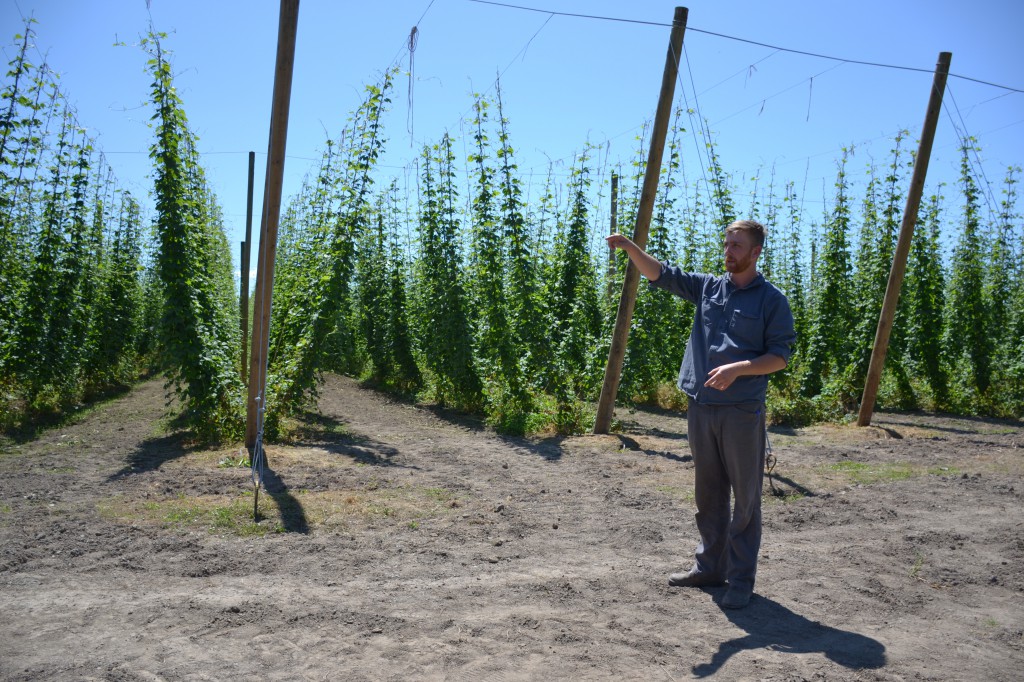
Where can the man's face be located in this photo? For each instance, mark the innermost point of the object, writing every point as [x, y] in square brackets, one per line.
[740, 251]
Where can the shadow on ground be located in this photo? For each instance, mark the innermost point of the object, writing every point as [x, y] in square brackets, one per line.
[330, 434]
[770, 625]
[153, 453]
[293, 516]
[632, 444]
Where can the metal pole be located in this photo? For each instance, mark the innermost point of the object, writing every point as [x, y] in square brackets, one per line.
[613, 227]
[899, 259]
[613, 370]
[244, 260]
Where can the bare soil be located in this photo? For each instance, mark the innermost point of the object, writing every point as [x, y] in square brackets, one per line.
[400, 542]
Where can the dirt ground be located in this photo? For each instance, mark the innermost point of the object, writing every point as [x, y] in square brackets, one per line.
[397, 542]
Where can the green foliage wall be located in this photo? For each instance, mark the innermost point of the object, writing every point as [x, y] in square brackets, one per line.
[199, 338]
[510, 305]
[471, 283]
[71, 254]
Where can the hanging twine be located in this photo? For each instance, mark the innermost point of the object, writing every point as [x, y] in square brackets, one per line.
[414, 36]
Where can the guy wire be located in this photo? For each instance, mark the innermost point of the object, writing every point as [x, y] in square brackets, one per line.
[964, 142]
[705, 161]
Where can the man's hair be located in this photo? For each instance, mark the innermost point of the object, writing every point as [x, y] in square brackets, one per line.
[751, 227]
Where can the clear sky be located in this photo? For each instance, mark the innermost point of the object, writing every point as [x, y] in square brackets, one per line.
[565, 80]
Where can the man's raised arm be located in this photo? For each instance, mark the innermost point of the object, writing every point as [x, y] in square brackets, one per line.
[647, 264]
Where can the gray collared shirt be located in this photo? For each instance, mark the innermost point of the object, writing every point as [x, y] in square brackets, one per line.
[730, 324]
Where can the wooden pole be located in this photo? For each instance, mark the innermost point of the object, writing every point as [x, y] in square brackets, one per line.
[286, 32]
[244, 260]
[613, 227]
[899, 259]
[624, 316]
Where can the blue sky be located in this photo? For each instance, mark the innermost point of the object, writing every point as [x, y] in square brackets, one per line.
[565, 80]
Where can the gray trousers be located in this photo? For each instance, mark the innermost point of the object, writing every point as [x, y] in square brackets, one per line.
[728, 448]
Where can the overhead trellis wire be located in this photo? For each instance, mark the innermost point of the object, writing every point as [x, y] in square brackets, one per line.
[777, 94]
[750, 42]
[409, 46]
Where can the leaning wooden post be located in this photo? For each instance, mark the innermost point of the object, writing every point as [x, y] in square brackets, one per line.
[244, 260]
[287, 26]
[899, 259]
[624, 316]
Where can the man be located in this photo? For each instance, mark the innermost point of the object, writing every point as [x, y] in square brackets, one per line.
[742, 332]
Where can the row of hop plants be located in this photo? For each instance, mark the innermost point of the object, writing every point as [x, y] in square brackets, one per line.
[75, 297]
[460, 289]
[91, 296]
[467, 305]
[457, 289]
[957, 341]
[198, 338]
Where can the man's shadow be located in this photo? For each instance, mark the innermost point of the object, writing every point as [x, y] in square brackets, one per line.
[770, 625]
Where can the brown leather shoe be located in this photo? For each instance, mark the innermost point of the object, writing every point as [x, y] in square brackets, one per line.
[694, 578]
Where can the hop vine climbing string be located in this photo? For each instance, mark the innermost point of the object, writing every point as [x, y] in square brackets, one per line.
[704, 163]
[965, 143]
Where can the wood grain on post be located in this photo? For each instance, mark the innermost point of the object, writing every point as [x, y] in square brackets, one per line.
[286, 32]
[624, 316]
[899, 259]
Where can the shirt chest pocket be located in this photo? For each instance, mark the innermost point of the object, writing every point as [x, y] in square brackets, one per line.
[746, 330]
[714, 316]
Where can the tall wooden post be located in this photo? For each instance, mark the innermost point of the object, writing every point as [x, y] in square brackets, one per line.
[899, 259]
[244, 260]
[286, 32]
[624, 316]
